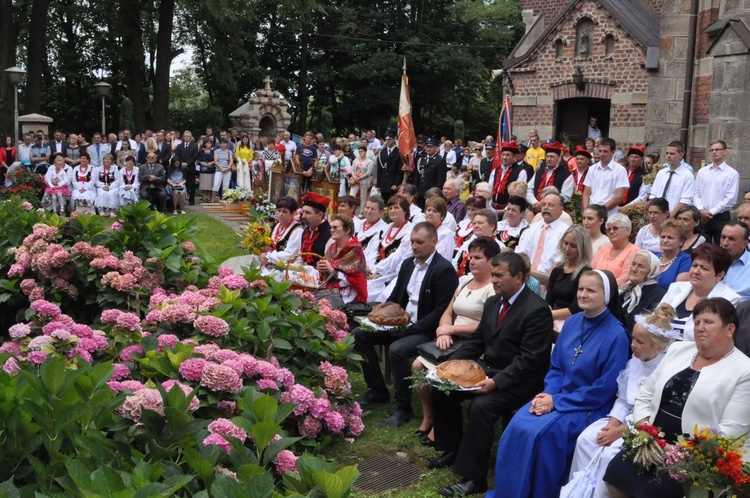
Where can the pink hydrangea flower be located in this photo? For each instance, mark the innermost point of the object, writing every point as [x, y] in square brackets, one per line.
[134, 404]
[177, 313]
[61, 334]
[129, 385]
[320, 407]
[36, 357]
[285, 461]
[220, 378]
[116, 226]
[206, 349]
[19, 330]
[223, 355]
[218, 440]
[234, 282]
[168, 340]
[226, 427]
[300, 396]
[35, 343]
[126, 354]
[153, 317]
[46, 309]
[120, 371]
[336, 379]
[234, 365]
[194, 402]
[211, 325]
[267, 384]
[11, 366]
[192, 368]
[335, 422]
[228, 407]
[310, 427]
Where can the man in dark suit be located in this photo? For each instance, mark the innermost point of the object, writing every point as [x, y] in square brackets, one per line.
[153, 179]
[163, 150]
[187, 151]
[485, 165]
[424, 287]
[515, 337]
[430, 171]
[388, 165]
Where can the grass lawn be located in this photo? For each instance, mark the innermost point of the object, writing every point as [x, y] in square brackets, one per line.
[216, 238]
[393, 442]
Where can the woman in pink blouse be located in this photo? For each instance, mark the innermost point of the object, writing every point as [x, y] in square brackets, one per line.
[616, 258]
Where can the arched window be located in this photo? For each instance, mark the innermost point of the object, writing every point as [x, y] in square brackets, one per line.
[584, 36]
[558, 49]
[609, 45]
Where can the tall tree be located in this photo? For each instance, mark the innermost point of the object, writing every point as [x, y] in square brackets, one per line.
[37, 55]
[164, 57]
[8, 36]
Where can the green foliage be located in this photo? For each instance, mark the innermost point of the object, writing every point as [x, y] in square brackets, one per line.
[28, 186]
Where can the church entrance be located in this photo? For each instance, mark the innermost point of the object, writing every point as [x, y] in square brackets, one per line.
[572, 118]
[267, 126]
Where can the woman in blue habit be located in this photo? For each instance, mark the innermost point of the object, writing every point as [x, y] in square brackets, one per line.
[535, 450]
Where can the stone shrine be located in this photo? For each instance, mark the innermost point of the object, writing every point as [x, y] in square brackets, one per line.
[264, 115]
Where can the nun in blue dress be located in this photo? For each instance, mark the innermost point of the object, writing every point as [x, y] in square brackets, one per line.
[533, 458]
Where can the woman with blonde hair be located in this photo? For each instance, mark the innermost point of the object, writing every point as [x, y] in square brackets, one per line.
[651, 336]
[575, 246]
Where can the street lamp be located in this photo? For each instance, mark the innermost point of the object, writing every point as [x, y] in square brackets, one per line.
[103, 89]
[15, 75]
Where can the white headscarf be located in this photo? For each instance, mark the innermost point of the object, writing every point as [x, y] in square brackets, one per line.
[632, 293]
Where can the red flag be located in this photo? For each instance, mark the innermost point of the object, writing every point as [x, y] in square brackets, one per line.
[503, 130]
[407, 139]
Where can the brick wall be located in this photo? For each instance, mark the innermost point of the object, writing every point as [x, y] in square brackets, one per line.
[552, 8]
[621, 74]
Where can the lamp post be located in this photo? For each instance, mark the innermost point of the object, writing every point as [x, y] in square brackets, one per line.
[15, 75]
[103, 89]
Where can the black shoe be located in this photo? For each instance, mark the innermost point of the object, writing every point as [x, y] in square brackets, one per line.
[464, 488]
[421, 433]
[192, 202]
[374, 397]
[443, 460]
[398, 419]
[426, 441]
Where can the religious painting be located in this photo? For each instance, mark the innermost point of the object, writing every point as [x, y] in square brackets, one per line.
[291, 187]
[329, 190]
[275, 185]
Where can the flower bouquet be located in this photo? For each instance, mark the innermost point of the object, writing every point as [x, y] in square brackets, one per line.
[257, 237]
[234, 195]
[262, 208]
[645, 444]
[708, 461]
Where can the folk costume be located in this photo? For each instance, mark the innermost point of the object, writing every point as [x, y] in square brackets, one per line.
[106, 200]
[349, 263]
[369, 236]
[314, 239]
[127, 178]
[83, 179]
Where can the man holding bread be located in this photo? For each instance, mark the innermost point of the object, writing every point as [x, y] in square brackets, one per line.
[424, 288]
[514, 339]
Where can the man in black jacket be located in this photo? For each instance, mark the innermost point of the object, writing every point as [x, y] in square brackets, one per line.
[187, 151]
[388, 166]
[424, 288]
[430, 171]
[514, 338]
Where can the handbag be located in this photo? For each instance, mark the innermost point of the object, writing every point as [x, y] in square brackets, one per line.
[434, 354]
[332, 295]
[356, 309]
[583, 483]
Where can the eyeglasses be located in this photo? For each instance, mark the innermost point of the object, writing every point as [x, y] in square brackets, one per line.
[613, 229]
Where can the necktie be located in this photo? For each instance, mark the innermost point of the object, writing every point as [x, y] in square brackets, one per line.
[539, 248]
[503, 311]
[666, 187]
[97, 152]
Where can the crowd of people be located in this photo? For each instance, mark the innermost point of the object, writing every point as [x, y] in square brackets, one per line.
[568, 320]
[572, 323]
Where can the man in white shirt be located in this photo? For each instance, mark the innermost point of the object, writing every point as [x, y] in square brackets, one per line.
[126, 136]
[540, 242]
[23, 151]
[593, 131]
[290, 146]
[606, 181]
[674, 183]
[715, 191]
[373, 143]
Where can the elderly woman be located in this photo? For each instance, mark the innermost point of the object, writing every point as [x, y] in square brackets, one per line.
[616, 258]
[538, 443]
[344, 264]
[673, 261]
[690, 218]
[641, 294]
[509, 230]
[484, 225]
[562, 287]
[466, 226]
[435, 210]
[710, 264]
[651, 336]
[286, 236]
[593, 220]
[460, 318]
[682, 394]
[648, 237]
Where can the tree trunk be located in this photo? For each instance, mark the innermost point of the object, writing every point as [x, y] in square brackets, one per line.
[8, 37]
[302, 90]
[132, 57]
[37, 55]
[164, 56]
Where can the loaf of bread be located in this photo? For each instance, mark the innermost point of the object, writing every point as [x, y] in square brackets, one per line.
[465, 373]
[389, 314]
